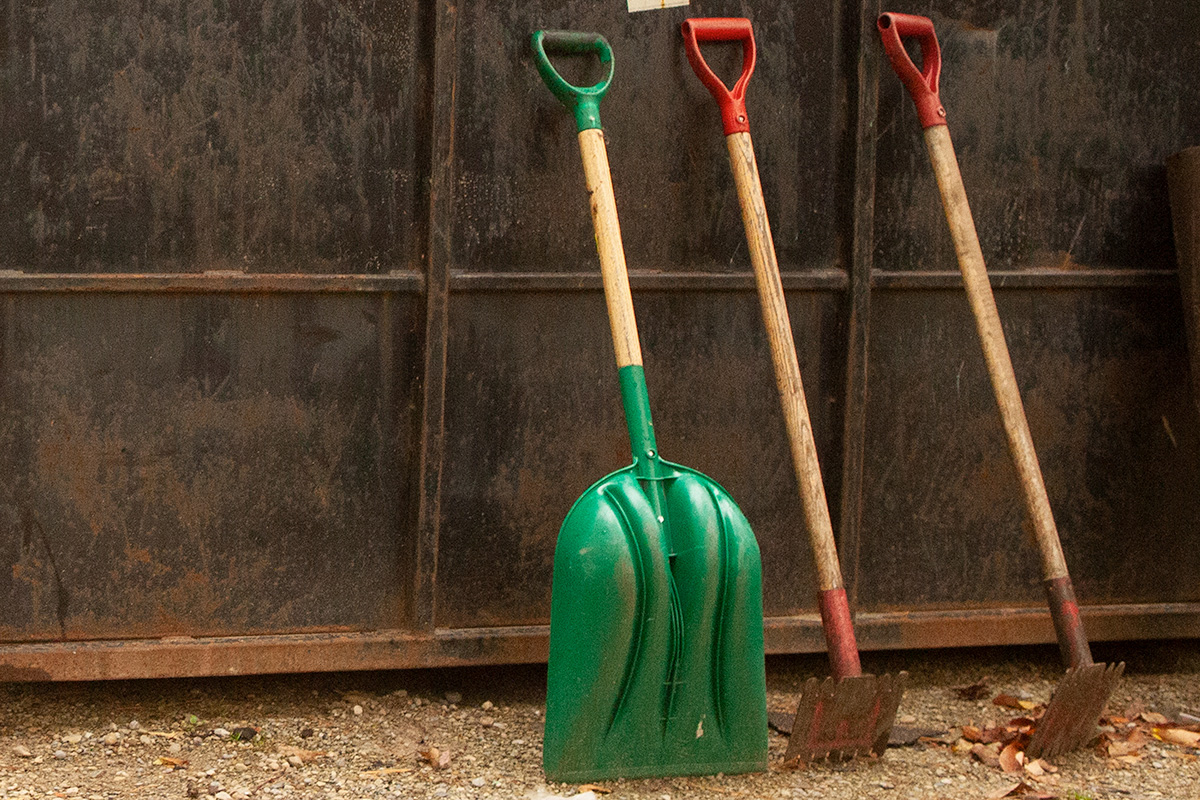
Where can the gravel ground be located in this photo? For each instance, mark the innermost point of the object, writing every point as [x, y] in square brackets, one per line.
[374, 735]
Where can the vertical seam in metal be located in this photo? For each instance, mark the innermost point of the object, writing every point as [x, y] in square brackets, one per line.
[861, 265]
[437, 297]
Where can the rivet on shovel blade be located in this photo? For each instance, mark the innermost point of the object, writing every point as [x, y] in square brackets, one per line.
[841, 720]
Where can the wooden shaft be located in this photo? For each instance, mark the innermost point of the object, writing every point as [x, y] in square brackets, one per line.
[995, 350]
[608, 245]
[783, 353]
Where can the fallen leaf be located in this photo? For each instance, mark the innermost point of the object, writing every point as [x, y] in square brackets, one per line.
[1021, 789]
[976, 691]
[1114, 749]
[988, 754]
[440, 759]
[1045, 765]
[1008, 701]
[591, 787]
[165, 734]
[1154, 718]
[300, 753]
[998, 734]
[1035, 769]
[375, 773]
[1179, 755]
[1011, 758]
[971, 733]
[173, 763]
[1176, 736]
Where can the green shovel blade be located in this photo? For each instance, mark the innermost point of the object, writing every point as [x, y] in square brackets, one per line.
[656, 633]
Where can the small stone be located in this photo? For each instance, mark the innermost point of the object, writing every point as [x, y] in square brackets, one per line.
[175, 747]
[487, 722]
[295, 761]
[478, 781]
[74, 790]
[60, 754]
[112, 738]
[358, 711]
[73, 738]
[134, 725]
[145, 739]
[214, 787]
[441, 791]
[194, 790]
[273, 765]
[223, 796]
[22, 751]
[453, 697]
[487, 705]
[907, 719]
[886, 785]
[220, 733]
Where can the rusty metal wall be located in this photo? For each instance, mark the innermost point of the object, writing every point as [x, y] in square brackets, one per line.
[304, 353]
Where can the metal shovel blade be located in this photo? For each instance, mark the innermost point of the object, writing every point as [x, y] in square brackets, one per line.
[841, 720]
[1070, 720]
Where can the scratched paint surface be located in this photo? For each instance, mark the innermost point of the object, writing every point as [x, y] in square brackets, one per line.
[202, 465]
[1115, 429]
[184, 136]
[520, 203]
[1062, 114]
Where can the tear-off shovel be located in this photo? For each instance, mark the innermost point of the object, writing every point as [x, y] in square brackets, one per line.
[1070, 720]
[850, 714]
[656, 630]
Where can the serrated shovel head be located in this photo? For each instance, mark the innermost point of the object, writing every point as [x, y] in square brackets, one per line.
[1070, 720]
[846, 719]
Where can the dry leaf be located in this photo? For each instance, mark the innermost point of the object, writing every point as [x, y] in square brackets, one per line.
[1008, 701]
[375, 773]
[166, 734]
[989, 755]
[971, 733]
[300, 753]
[1177, 736]
[1011, 757]
[1035, 769]
[1115, 749]
[440, 759]
[1154, 718]
[1021, 789]
[976, 691]
[173, 763]
[1045, 765]
[591, 787]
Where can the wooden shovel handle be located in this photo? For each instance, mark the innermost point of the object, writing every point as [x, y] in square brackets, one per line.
[608, 245]
[835, 610]
[995, 349]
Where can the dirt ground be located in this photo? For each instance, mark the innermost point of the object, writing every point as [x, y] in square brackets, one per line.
[476, 733]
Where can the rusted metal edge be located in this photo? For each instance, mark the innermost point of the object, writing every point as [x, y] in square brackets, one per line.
[210, 282]
[1031, 279]
[321, 652]
[645, 280]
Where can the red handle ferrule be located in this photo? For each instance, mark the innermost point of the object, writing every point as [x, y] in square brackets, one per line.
[922, 84]
[722, 29]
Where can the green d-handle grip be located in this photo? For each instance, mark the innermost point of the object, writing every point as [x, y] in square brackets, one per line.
[584, 102]
[922, 84]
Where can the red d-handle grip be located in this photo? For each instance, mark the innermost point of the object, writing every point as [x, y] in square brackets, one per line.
[922, 84]
[722, 29]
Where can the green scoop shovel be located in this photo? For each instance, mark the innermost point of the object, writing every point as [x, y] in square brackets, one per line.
[656, 629]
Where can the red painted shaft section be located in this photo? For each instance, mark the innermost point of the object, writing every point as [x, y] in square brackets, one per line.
[1072, 641]
[839, 633]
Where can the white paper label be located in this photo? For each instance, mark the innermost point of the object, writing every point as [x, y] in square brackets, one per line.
[652, 5]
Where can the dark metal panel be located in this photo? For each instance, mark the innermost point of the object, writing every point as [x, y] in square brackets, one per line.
[1062, 115]
[1104, 377]
[183, 136]
[205, 464]
[533, 417]
[520, 200]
